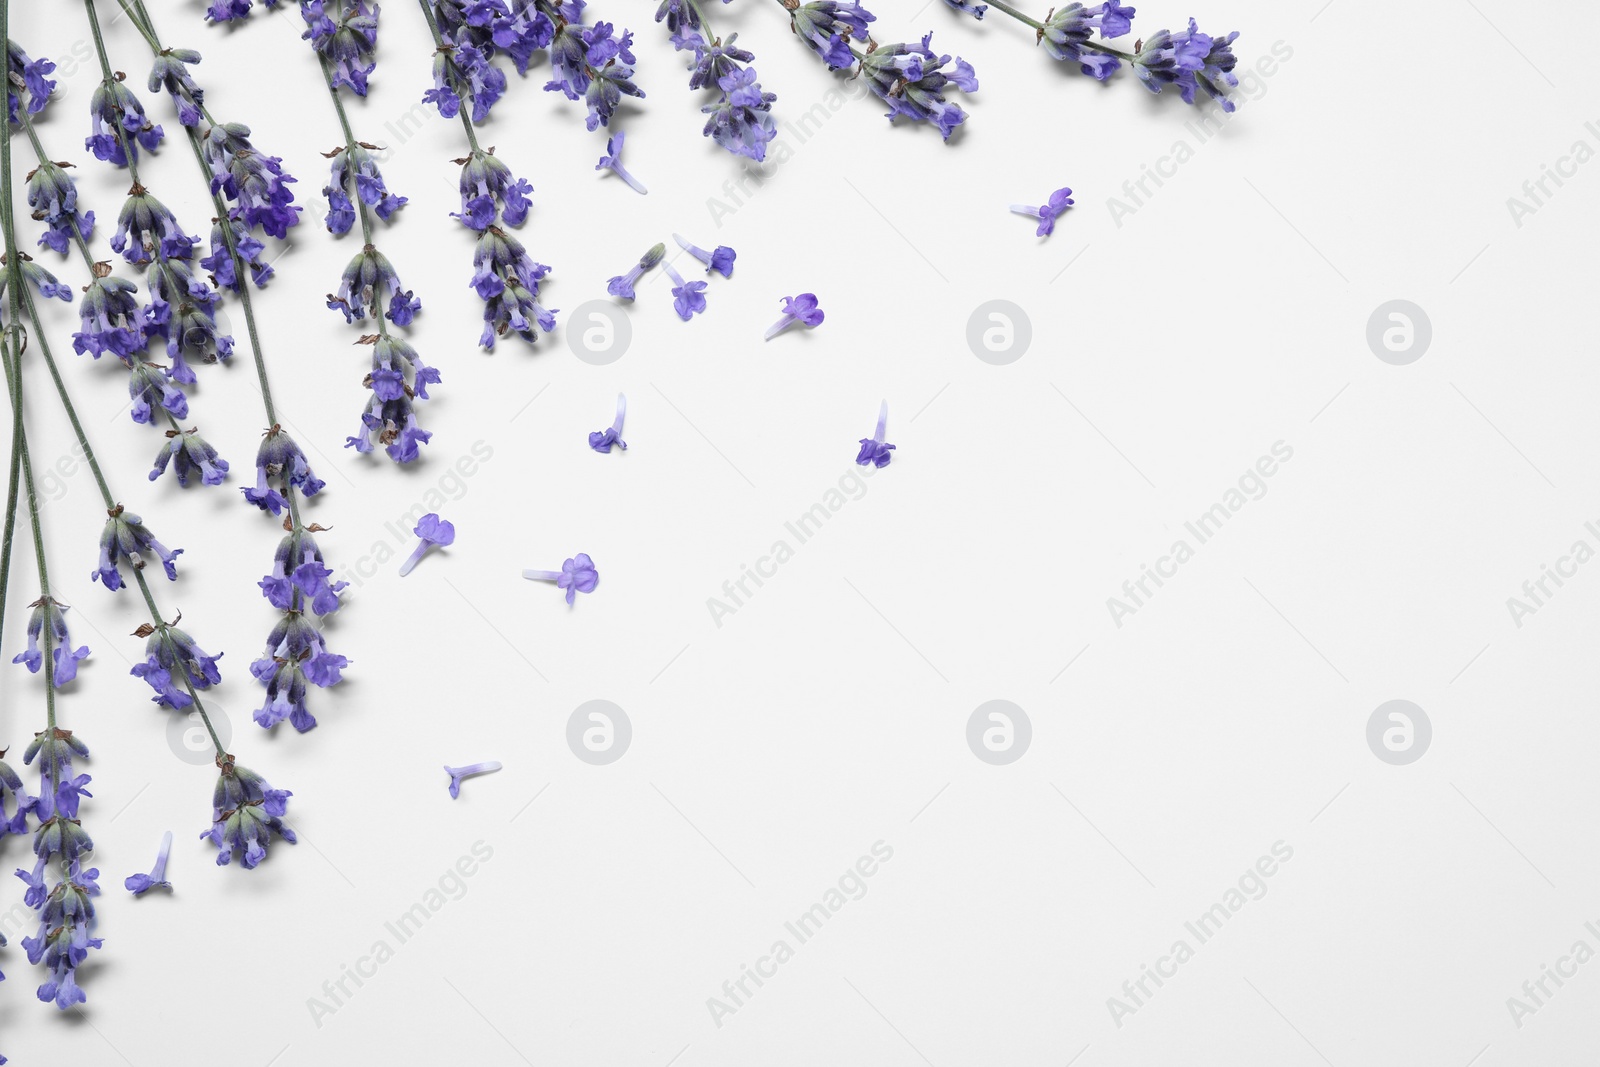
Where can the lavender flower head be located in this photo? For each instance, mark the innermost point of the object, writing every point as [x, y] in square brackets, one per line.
[1068, 32]
[612, 161]
[802, 309]
[577, 575]
[487, 187]
[296, 656]
[140, 884]
[60, 843]
[245, 813]
[602, 440]
[1048, 212]
[221, 262]
[688, 298]
[189, 455]
[622, 285]
[280, 468]
[347, 43]
[508, 280]
[53, 196]
[173, 663]
[356, 172]
[109, 314]
[299, 578]
[463, 74]
[118, 125]
[254, 180]
[398, 377]
[171, 73]
[433, 531]
[368, 281]
[1191, 60]
[909, 78]
[126, 539]
[49, 612]
[719, 260]
[873, 449]
[42, 281]
[31, 74]
[593, 64]
[459, 774]
[828, 26]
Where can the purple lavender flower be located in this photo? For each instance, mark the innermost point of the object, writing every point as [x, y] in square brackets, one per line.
[593, 64]
[720, 260]
[53, 196]
[909, 78]
[1191, 60]
[398, 375]
[458, 774]
[45, 283]
[741, 120]
[245, 812]
[171, 656]
[873, 449]
[463, 74]
[688, 298]
[146, 229]
[221, 262]
[602, 440]
[60, 844]
[356, 171]
[296, 656]
[229, 10]
[31, 73]
[621, 286]
[49, 612]
[577, 575]
[508, 280]
[487, 187]
[349, 43]
[280, 468]
[1068, 32]
[802, 309]
[118, 125]
[189, 455]
[1047, 213]
[612, 161]
[140, 884]
[14, 801]
[254, 180]
[152, 386]
[829, 26]
[368, 281]
[110, 317]
[126, 539]
[433, 531]
[967, 7]
[171, 73]
[299, 578]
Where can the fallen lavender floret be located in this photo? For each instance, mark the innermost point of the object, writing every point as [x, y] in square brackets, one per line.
[612, 161]
[873, 449]
[802, 309]
[433, 531]
[458, 774]
[602, 440]
[688, 298]
[1048, 212]
[719, 259]
[621, 286]
[140, 884]
[577, 575]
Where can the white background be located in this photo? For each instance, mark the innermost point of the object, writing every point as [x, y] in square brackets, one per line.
[1168, 353]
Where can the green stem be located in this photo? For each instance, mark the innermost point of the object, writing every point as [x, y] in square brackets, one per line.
[1007, 9]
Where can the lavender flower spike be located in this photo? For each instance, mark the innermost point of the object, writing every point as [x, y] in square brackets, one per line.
[458, 774]
[577, 575]
[602, 440]
[873, 450]
[433, 531]
[621, 286]
[1060, 201]
[802, 309]
[140, 884]
[720, 260]
[612, 160]
[688, 298]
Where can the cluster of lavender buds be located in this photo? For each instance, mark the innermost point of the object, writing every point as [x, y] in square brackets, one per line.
[60, 887]
[1189, 59]
[398, 377]
[245, 812]
[174, 666]
[740, 119]
[911, 80]
[829, 26]
[32, 74]
[126, 539]
[355, 178]
[295, 654]
[119, 127]
[504, 275]
[53, 198]
[49, 614]
[347, 37]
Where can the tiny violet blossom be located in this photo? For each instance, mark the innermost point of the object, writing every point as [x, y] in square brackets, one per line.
[460, 774]
[125, 539]
[802, 309]
[612, 161]
[719, 260]
[140, 884]
[688, 298]
[873, 449]
[1191, 60]
[911, 80]
[49, 612]
[279, 460]
[487, 185]
[602, 440]
[189, 455]
[621, 286]
[433, 531]
[171, 652]
[577, 575]
[1047, 213]
[1067, 35]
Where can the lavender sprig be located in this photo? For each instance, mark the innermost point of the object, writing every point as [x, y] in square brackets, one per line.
[741, 117]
